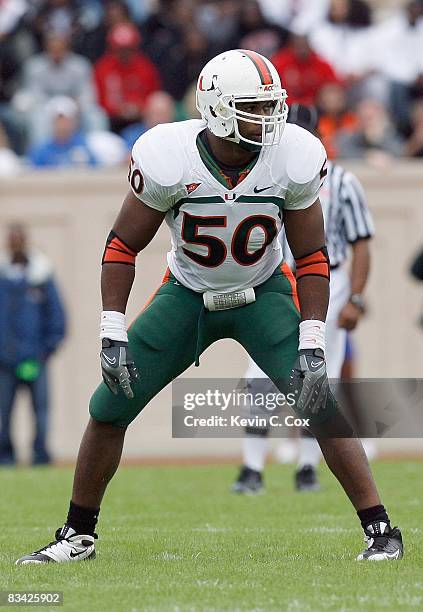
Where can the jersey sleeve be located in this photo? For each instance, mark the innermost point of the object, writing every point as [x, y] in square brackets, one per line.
[357, 219]
[146, 187]
[306, 177]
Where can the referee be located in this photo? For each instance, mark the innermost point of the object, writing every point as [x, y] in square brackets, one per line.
[348, 225]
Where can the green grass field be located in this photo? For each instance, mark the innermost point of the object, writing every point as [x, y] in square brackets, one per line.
[174, 539]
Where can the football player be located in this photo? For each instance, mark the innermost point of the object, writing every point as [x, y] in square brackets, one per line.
[348, 225]
[223, 184]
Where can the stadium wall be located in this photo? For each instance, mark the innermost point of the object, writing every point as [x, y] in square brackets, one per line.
[69, 216]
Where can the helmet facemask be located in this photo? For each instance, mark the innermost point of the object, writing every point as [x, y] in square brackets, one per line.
[272, 125]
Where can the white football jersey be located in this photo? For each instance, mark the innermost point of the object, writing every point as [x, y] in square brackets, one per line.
[224, 239]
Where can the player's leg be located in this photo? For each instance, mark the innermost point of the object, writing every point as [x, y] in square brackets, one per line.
[269, 332]
[256, 440]
[8, 386]
[335, 350]
[275, 318]
[163, 345]
[309, 455]
[309, 449]
[39, 397]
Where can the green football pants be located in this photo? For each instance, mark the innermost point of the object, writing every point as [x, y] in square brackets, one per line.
[174, 327]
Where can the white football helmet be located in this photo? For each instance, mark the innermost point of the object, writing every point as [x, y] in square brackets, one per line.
[241, 76]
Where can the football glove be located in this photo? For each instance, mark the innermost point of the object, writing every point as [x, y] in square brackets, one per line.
[118, 367]
[309, 382]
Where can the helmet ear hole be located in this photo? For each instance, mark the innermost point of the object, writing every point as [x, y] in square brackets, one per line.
[213, 114]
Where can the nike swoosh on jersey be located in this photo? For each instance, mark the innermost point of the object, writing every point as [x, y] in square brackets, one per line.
[256, 190]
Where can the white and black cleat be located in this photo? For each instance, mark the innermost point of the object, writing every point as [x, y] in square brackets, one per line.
[68, 546]
[249, 482]
[384, 543]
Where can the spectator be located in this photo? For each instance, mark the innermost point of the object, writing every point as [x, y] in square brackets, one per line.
[139, 9]
[375, 139]
[12, 123]
[302, 71]
[32, 325]
[17, 40]
[218, 22]
[189, 106]
[159, 108]
[414, 145]
[258, 34]
[58, 16]
[57, 72]
[67, 147]
[10, 164]
[63, 17]
[294, 14]
[398, 55]
[161, 31]
[125, 77]
[109, 149]
[344, 38]
[183, 65]
[92, 44]
[334, 116]
[10, 14]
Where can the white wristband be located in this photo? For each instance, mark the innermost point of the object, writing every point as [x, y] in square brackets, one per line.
[312, 335]
[113, 326]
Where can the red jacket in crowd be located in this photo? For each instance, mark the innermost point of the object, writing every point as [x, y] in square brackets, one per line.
[302, 77]
[126, 82]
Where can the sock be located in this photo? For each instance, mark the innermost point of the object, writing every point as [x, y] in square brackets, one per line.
[83, 520]
[373, 515]
[309, 452]
[254, 452]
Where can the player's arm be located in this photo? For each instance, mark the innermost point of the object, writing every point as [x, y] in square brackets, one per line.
[358, 228]
[135, 226]
[360, 268]
[132, 231]
[306, 238]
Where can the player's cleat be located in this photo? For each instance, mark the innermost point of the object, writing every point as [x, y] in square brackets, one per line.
[249, 482]
[306, 479]
[68, 546]
[384, 543]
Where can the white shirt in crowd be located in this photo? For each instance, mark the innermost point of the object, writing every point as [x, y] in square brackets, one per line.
[397, 49]
[295, 14]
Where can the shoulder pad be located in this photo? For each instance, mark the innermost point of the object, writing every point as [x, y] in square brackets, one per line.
[305, 154]
[158, 154]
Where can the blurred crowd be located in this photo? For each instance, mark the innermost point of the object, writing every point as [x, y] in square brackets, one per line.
[80, 80]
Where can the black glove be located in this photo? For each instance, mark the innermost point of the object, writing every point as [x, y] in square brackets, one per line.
[118, 367]
[309, 382]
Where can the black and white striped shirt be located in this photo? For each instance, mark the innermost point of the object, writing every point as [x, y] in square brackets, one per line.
[347, 216]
